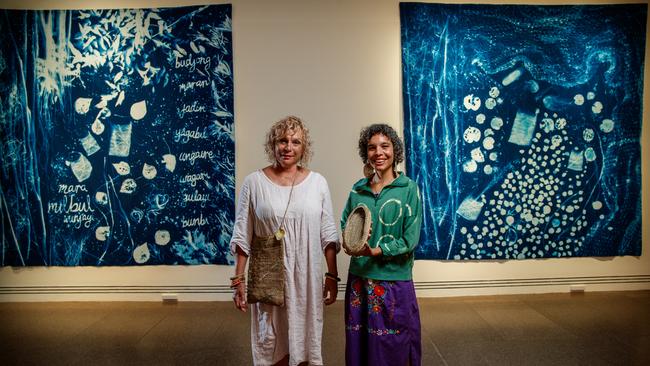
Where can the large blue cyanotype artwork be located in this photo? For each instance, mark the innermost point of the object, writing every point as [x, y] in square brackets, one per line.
[117, 136]
[522, 128]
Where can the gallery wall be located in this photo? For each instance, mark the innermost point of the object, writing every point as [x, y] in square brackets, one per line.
[337, 65]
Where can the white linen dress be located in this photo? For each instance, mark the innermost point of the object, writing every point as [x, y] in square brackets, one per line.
[295, 329]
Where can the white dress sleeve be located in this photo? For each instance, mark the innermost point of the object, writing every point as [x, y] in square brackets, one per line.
[328, 233]
[242, 233]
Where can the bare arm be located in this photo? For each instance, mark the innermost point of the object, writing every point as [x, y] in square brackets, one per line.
[330, 289]
[239, 297]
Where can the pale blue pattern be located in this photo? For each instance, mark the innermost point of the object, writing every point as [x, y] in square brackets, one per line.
[117, 135]
[522, 128]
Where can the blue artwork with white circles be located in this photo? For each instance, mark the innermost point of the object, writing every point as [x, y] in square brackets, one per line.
[117, 136]
[522, 127]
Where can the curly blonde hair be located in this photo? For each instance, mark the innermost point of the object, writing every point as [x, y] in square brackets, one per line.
[279, 129]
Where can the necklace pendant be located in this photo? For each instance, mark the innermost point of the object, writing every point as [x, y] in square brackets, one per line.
[279, 234]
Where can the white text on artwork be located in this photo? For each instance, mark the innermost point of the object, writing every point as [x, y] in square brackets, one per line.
[190, 85]
[190, 108]
[75, 211]
[184, 135]
[193, 178]
[196, 221]
[191, 63]
[195, 155]
[196, 197]
[72, 188]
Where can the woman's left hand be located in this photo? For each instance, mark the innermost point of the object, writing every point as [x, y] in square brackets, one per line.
[330, 290]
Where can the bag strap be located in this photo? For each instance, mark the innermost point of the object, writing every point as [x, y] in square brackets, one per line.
[289, 201]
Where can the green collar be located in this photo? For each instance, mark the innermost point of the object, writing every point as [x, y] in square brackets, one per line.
[363, 184]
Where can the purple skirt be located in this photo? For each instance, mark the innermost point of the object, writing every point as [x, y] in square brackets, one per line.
[382, 323]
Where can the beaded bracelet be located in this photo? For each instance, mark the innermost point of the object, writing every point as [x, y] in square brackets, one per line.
[241, 275]
[332, 277]
[237, 280]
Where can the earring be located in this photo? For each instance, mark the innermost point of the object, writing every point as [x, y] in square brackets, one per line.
[368, 170]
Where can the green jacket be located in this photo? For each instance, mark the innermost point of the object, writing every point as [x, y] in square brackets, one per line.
[396, 219]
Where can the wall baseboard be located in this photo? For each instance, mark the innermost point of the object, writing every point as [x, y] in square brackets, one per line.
[532, 282]
[423, 288]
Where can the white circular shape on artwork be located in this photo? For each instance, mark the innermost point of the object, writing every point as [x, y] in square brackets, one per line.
[547, 124]
[607, 125]
[480, 118]
[463, 230]
[597, 205]
[546, 210]
[494, 92]
[471, 102]
[488, 143]
[101, 198]
[570, 209]
[588, 134]
[381, 218]
[122, 168]
[138, 110]
[591, 96]
[496, 123]
[579, 99]
[170, 162]
[493, 156]
[590, 154]
[149, 171]
[560, 123]
[162, 237]
[102, 233]
[556, 141]
[128, 186]
[487, 169]
[141, 253]
[597, 107]
[510, 220]
[488, 132]
[470, 166]
[490, 103]
[472, 134]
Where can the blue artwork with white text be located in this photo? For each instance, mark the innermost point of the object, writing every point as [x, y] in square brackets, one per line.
[117, 139]
[522, 127]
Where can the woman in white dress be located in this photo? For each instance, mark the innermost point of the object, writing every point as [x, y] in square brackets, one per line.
[289, 334]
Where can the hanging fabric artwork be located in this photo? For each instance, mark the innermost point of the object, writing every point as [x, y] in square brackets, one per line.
[117, 136]
[522, 127]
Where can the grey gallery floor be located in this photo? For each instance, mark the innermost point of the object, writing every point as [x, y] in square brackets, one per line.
[595, 328]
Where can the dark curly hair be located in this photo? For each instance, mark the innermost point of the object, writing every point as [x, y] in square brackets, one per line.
[381, 128]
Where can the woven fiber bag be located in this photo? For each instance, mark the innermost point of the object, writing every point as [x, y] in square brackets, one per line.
[357, 228]
[266, 271]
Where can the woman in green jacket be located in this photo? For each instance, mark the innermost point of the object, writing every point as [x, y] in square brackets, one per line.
[381, 311]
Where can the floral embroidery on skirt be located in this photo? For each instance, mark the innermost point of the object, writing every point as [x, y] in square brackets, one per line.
[382, 322]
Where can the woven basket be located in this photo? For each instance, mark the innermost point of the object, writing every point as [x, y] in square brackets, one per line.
[357, 228]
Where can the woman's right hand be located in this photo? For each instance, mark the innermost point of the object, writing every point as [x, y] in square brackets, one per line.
[239, 297]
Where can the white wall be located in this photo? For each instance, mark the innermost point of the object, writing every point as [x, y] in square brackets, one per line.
[336, 64]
